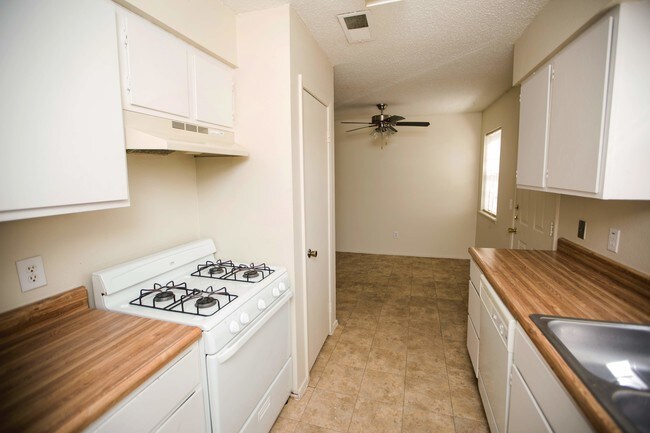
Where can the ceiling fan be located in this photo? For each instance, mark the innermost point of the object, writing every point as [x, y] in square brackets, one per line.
[384, 124]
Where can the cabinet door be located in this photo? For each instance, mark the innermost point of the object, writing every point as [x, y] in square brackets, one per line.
[62, 140]
[533, 129]
[524, 415]
[214, 96]
[578, 99]
[157, 73]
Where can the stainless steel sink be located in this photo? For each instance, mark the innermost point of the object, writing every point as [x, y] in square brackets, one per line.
[613, 361]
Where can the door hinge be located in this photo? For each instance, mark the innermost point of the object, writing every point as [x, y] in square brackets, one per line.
[552, 230]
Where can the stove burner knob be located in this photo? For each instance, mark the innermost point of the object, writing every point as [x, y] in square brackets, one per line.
[275, 292]
[234, 327]
[282, 287]
[244, 318]
[261, 304]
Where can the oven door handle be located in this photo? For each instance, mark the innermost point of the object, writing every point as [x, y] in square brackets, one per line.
[227, 352]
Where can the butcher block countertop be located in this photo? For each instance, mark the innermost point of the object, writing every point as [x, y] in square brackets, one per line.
[63, 365]
[569, 282]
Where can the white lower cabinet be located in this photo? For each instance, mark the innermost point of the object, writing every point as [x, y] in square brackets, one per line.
[171, 401]
[474, 315]
[473, 326]
[539, 402]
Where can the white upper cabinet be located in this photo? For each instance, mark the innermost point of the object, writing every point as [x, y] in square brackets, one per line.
[594, 113]
[62, 140]
[167, 77]
[577, 120]
[156, 69]
[214, 91]
[533, 129]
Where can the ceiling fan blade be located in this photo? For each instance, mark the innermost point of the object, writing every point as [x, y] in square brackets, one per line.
[393, 119]
[363, 127]
[360, 123]
[412, 124]
[392, 129]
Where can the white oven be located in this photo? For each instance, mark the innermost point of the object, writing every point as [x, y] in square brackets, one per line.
[248, 368]
[243, 311]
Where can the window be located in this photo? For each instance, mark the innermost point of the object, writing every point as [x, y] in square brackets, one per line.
[491, 156]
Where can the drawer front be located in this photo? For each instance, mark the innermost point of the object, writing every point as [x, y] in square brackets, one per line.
[190, 417]
[553, 399]
[474, 307]
[151, 404]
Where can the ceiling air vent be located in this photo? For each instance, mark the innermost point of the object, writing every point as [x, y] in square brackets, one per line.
[356, 26]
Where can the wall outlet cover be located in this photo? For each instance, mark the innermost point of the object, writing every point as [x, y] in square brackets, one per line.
[31, 273]
[613, 240]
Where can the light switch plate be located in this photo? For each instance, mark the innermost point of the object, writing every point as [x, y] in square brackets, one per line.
[31, 273]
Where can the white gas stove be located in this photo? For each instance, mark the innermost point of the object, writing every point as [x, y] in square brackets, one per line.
[243, 310]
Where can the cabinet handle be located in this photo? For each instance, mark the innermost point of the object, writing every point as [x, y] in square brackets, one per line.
[312, 253]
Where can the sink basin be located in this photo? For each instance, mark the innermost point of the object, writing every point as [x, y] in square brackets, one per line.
[613, 361]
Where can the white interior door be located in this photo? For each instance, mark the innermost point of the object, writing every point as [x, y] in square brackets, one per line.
[536, 216]
[315, 142]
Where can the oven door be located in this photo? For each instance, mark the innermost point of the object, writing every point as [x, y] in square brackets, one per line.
[241, 373]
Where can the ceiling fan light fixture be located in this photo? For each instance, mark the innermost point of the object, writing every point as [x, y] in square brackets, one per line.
[373, 3]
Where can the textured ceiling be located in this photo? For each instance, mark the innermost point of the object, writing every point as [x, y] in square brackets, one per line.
[427, 56]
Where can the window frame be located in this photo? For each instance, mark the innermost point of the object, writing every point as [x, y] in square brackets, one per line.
[483, 205]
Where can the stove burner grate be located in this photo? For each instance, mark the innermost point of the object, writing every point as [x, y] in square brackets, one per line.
[227, 270]
[177, 297]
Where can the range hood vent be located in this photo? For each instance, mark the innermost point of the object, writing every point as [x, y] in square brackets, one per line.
[150, 134]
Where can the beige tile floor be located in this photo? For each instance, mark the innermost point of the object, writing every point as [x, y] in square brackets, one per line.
[397, 361]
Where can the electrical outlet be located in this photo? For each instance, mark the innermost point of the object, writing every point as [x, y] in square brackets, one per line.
[395, 234]
[31, 273]
[612, 241]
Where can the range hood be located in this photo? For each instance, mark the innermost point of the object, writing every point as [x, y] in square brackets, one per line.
[149, 134]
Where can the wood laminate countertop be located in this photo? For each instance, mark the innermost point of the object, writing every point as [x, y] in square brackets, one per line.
[63, 365]
[569, 282]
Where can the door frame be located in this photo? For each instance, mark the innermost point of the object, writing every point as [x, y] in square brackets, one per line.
[333, 323]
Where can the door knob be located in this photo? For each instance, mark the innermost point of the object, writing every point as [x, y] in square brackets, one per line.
[311, 253]
[512, 230]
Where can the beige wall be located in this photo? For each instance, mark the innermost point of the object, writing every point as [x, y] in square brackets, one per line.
[251, 206]
[163, 213]
[504, 114]
[423, 185]
[206, 23]
[557, 22]
[631, 217]
[246, 203]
